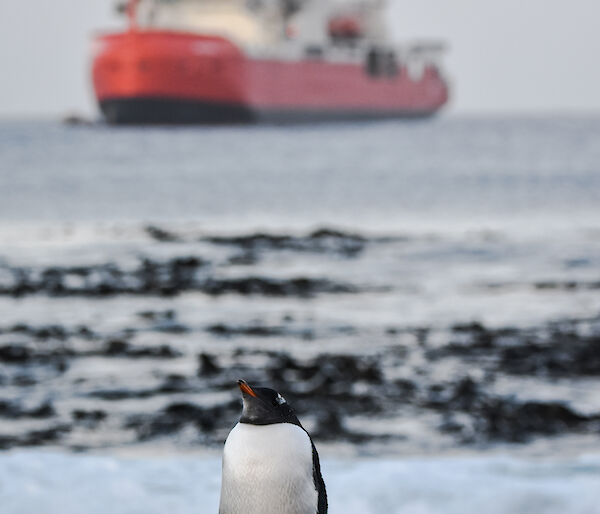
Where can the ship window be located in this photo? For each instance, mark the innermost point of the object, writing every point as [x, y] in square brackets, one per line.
[374, 62]
[381, 63]
[314, 51]
[391, 64]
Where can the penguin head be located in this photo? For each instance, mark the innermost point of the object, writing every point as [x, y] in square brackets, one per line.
[264, 406]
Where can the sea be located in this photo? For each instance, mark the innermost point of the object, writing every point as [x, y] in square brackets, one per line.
[245, 243]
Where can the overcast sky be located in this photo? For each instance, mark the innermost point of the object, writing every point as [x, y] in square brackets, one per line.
[507, 56]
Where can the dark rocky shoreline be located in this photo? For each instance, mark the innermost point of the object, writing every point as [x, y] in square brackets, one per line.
[151, 364]
[327, 389]
[169, 278]
[193, 272]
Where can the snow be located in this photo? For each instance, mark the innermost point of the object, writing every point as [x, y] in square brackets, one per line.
[55, 483]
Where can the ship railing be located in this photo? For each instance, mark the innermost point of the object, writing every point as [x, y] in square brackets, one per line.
[422, 53]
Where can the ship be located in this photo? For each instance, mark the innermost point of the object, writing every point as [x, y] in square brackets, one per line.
[273, 61]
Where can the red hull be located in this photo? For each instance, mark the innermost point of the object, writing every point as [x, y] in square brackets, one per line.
[159, 76]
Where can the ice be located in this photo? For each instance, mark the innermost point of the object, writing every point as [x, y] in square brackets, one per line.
[53, 483]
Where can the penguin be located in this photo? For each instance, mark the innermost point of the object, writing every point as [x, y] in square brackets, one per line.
[270, 463]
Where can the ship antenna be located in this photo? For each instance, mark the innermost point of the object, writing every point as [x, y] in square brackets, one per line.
[132, 14]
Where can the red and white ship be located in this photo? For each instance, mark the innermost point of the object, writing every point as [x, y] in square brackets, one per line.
[235, 61]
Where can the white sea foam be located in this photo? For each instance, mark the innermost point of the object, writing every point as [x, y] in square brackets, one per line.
[66, 484]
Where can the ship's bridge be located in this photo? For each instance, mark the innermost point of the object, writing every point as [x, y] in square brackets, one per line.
[261, 23]
[248, 22]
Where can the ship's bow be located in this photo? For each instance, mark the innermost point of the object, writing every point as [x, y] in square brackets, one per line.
[169, 77]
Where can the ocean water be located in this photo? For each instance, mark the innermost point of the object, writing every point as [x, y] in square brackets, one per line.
[475, 210]
[371, 233]
[401, 176]
[29, 482]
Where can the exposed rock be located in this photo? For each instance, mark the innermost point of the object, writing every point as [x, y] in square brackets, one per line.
[13, 410]
[161, 235]
[15, 354]
[169, 278]
[120, 348]
[178, 415]
[208, 365]
[320, 241]
[221, 329]
[302, 287]
[89, 418]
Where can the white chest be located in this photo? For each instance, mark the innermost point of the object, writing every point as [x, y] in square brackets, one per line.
[268, 470]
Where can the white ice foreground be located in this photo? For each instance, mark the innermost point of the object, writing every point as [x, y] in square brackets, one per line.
[36, 482]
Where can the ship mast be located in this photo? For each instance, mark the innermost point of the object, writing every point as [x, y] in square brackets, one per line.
[131, 8]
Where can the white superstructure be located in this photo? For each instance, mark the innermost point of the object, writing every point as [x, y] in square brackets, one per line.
[265, 22]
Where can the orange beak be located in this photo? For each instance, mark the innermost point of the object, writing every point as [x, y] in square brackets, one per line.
[245, 388]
